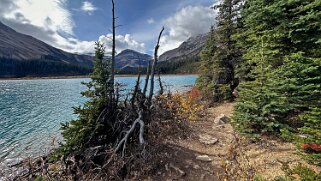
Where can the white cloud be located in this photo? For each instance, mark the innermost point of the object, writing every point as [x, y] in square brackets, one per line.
[151, 21]
[49, 14]
[187, 22]
[122, 43]
[88, 7]
[51, 22]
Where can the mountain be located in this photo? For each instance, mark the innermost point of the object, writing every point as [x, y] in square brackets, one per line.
[19, 46]
[189, 48]
[23, 55]
[20, 54]
[131, 58]
[185, 58]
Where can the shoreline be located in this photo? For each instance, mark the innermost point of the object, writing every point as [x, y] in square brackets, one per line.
[79, 77]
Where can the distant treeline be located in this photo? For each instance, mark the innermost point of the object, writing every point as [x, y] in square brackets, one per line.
[46, 68]
[188, 65]
[38, 68]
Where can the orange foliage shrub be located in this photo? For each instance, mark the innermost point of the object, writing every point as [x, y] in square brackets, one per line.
[194, 93]
[311, 147]
[184, 106]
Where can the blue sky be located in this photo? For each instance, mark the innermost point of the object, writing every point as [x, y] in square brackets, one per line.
[74, 25]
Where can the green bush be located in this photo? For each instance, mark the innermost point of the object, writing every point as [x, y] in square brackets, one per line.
[304, 173]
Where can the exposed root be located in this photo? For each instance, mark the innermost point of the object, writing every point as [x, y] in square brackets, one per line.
[124, 140]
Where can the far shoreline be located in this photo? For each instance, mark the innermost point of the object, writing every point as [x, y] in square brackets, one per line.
[80, 77]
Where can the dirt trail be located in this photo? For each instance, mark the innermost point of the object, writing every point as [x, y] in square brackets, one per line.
[180, 158]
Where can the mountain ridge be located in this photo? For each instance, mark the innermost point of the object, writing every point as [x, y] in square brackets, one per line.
[18, 46]
[132, 58]
[189, 48]
[22, 55]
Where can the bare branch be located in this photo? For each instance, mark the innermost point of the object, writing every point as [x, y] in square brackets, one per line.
[135, 90]
[161, 91]
[153, 68]
[124, 140]
[147, 77]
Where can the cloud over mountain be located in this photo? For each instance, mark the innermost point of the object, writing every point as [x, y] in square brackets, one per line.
[52, 22]
[188, 22]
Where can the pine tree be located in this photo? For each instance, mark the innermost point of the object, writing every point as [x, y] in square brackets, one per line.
[221, 54]
[205, 72]
[286, 36]
[78, 133]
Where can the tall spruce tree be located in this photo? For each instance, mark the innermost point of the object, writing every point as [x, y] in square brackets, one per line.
[205, 79]
[221, 54]
[77, 133]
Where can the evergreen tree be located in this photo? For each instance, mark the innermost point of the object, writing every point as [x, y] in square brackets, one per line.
[205, 79]
[78, 133]
[221, 54]
[282, 43]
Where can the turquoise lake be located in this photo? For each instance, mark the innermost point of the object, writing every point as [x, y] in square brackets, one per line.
[31, 110]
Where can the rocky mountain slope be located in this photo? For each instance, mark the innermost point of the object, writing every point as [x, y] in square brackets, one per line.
[22, 55]
[131, 58]
[190, 48]
[18, 46]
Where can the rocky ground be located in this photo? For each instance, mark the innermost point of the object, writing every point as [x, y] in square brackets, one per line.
[208, 153]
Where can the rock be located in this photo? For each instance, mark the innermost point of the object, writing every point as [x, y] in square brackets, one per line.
[207, 169]
[303, 135]
[221, 119]
[235, 93]
[204, 158]
[196, 167]
[207, 139]
[218, 126]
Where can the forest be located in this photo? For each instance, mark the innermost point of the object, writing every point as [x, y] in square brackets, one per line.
[12, 68]
[263, 58]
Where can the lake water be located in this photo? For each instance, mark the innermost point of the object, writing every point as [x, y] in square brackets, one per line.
[31, 111]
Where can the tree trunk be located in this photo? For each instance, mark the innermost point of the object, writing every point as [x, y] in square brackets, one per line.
[147, 78]
[153, 68]
[113, 54]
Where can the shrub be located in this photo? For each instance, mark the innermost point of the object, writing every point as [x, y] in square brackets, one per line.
[184, 106]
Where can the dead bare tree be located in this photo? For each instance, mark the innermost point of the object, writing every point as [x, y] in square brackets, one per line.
[161, 87]
[153, 68]
[139, 108]
[113, 54]
[147, 78]
[136, 88]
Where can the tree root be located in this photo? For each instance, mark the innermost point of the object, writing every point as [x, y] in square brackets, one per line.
[124, 140]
